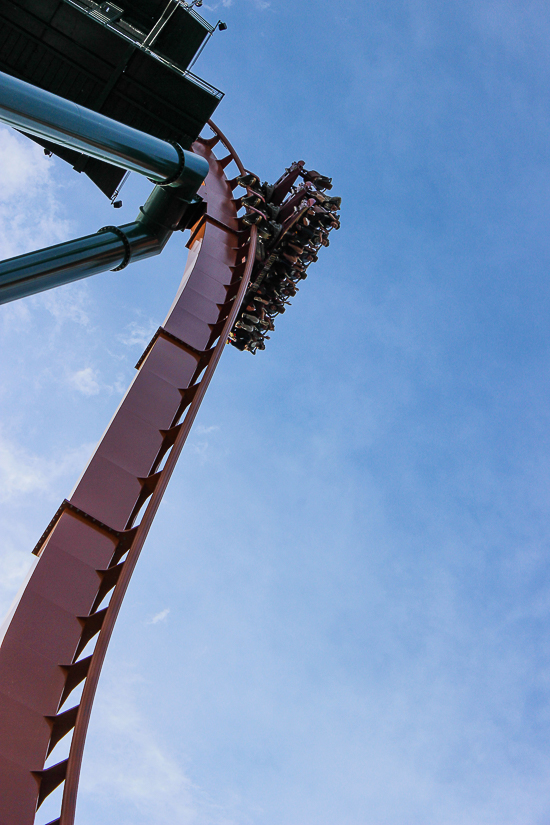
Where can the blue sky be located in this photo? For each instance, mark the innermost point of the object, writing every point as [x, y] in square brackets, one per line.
[342, 612]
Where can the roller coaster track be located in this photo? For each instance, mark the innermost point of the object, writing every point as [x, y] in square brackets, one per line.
[91, 547]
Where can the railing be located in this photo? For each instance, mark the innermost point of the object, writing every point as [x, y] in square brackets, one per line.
[133, 35]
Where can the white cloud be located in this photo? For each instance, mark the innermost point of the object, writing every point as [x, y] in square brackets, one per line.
[30, 211]
[15, 316]
[15, 564]
[138, 334]
[202, 430]
[120, 385]
[200, 443]
[22, 472]
[160, 617]
[88, 382]
[135, 769]
[22, 164]
[85, 381]
[66, 304]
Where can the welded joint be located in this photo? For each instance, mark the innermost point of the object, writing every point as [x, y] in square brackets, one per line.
[75, 673]
[67, 506]
[60, 725]
[173, 339]
[209, 219]
[49, 779]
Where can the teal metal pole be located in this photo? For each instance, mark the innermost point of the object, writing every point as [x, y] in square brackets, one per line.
[179, 173]
[49, 116]
[71, 261]
[111, 248]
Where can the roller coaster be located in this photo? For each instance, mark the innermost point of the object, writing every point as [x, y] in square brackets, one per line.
[250, 245]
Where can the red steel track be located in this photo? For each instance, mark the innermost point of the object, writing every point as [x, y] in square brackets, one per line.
[94, 541]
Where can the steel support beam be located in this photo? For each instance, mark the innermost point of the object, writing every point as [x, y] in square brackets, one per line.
[110, 248]
[33, 110]
[71, 261]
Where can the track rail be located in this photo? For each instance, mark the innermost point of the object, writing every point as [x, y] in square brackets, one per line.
[92, 545]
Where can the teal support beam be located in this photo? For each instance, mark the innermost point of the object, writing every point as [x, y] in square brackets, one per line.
[33, 110]
[71, 261]
[110, 248]
[179, 174]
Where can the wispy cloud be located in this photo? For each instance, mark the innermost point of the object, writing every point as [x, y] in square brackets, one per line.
[160, 617]
[22, 472]
[200, 443]
[202, 430]
[15, 317]
[136, 770]
[138, 333]
[14, 565]
[66, 305]
[85, 381]
[30, 210]
[88, 382]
